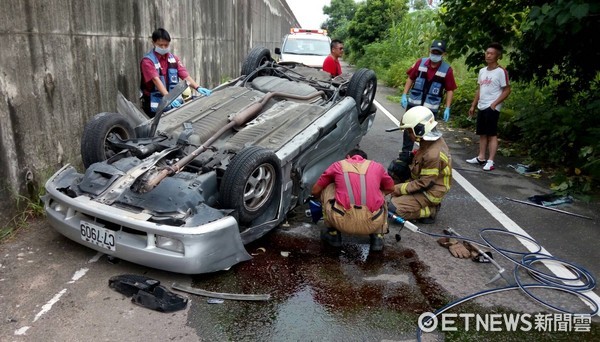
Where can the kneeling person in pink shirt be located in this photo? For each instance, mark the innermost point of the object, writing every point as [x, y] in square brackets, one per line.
[352, 195]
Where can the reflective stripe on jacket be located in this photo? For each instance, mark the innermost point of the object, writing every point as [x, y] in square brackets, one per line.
[169, 83]
[431, 171]
[428, 93]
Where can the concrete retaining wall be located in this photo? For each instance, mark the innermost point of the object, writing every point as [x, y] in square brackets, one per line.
[63, 61]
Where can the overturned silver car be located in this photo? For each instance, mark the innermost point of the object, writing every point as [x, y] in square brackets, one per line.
[184, 191]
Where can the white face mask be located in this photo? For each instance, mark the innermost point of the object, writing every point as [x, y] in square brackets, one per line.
[435, 58]
[161, 51]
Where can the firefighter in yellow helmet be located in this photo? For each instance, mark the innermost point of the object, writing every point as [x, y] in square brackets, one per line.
[420, 196]
[187, 94]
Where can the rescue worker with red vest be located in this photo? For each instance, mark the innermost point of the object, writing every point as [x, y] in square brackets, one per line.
[430, 171]
[427, 81]
[352, 195]
[161, 71]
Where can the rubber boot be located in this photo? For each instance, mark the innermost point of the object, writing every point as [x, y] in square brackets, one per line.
[333, 237]
[376, 242]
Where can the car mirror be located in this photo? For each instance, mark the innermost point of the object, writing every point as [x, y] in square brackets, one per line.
[166, 100]
[171, 96]
[277, 51]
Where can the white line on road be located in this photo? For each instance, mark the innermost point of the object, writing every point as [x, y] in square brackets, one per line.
[388, 114]
[46, 307]
[95, 258]
[78, 274]
[504, 220]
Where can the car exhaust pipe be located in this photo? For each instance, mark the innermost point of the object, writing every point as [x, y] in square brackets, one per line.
[241, 118]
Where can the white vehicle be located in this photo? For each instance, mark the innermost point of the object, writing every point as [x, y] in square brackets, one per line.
[309, 47]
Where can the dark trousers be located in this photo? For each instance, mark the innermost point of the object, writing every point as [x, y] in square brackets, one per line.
[146, 106]
[407, 144]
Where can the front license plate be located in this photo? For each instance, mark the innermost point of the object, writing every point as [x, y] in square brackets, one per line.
[97, 235]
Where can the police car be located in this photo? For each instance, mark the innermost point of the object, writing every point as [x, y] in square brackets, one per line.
[309, 47]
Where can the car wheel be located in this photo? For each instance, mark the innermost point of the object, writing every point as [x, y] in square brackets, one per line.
[256, 57]
[362, 88]
[94, 146]
[250, 183]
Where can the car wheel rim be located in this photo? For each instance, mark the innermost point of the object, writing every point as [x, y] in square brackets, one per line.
[367, 96]
[116, 132]
[259, 187]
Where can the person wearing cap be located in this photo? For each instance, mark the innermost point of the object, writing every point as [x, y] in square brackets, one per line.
[419, 198]
[161, 71]
[493, 88]
[427, 81]
[352, 195]
[331, 64]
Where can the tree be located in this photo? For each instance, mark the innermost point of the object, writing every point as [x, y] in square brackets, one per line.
[340, 13]
[371, 21]
[547, 39]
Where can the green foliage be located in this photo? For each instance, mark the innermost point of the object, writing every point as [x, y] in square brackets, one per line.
[405, 42]
[549, 115]
[340, 13]
[560, 35]
[566, 135]
[470, 25]
[370, 23]
[27, 208]
[546, 39]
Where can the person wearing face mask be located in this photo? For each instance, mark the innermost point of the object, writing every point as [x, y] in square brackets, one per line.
[161, 71]
[427, 81]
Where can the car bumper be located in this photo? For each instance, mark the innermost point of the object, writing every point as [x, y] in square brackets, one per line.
[206, 248]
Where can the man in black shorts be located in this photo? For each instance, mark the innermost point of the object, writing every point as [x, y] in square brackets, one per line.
[493, 88]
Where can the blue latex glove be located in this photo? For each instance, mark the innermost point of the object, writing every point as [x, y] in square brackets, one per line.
[446, 114]
[176, 103]
[204, 91]
[404, 101]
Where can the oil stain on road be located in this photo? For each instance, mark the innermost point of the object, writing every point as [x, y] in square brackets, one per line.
[318, 292]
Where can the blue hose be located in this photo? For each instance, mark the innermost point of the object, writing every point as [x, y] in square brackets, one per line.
[528, 260]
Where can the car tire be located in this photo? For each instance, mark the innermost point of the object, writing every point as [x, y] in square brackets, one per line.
[250, 183]
[256, 57]
[96, 133]
[362, 88]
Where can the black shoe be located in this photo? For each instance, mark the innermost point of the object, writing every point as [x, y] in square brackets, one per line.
[431, 219]
[333, 237]
[426, 220]
[376, 242]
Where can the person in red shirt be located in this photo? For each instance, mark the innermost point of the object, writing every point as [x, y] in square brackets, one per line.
[352, 195]
[161, 71]
[331, 64]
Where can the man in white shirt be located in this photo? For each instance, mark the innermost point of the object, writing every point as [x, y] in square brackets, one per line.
[493, 88]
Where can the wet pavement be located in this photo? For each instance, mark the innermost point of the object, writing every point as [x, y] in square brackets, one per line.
[318, 292]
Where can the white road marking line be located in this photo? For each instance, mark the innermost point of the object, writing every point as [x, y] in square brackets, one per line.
[505, 221]
[21, 331]
[96, 258]
[388, 114]
[46, 307]
[78, 274]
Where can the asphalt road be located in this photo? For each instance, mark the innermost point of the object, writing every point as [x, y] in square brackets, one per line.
[52, 289]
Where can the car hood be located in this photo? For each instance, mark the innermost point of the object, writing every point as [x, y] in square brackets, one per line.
[313, 61]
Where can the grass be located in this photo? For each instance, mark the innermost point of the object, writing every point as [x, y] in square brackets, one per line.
[27, 208]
